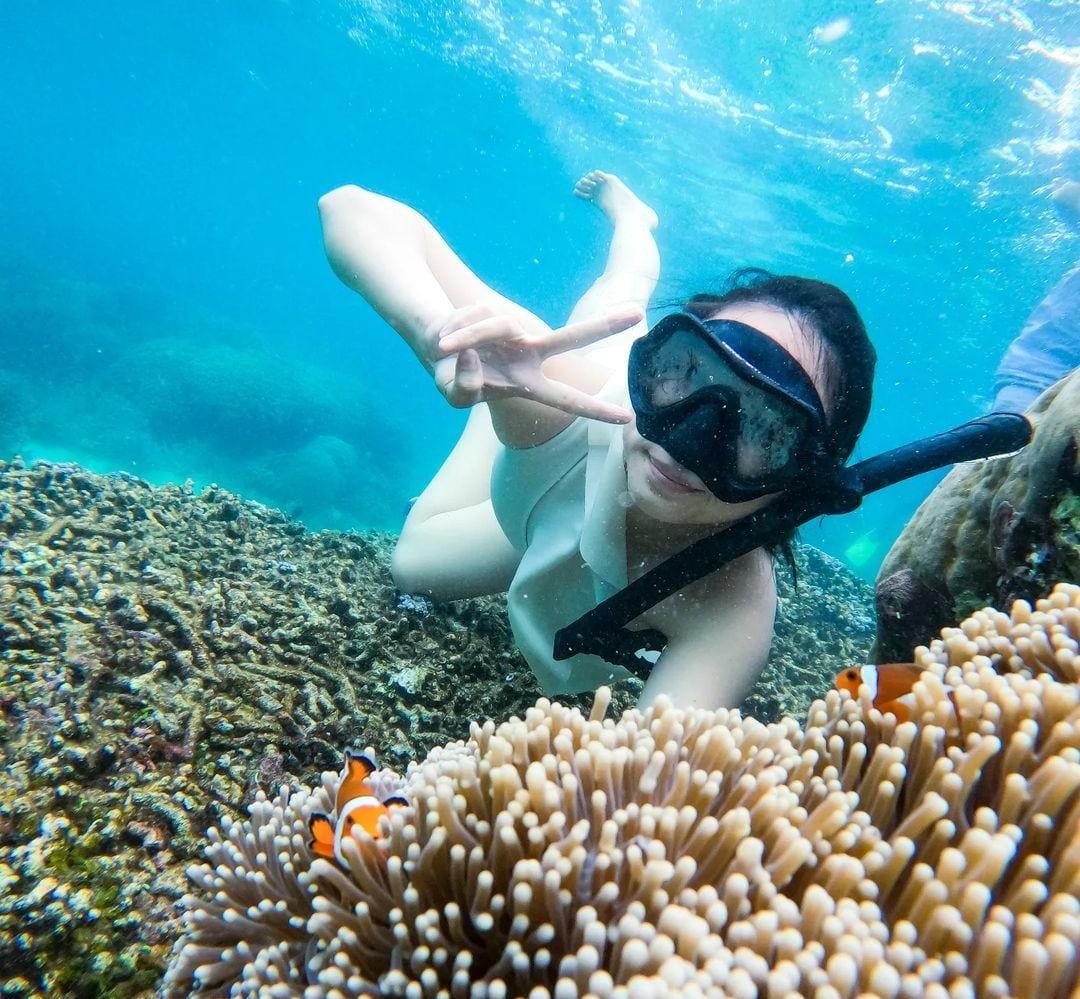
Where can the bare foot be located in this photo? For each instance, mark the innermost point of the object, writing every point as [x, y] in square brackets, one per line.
[615, 199]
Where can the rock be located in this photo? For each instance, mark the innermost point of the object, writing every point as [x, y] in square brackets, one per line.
[409, 680]
[992, 532]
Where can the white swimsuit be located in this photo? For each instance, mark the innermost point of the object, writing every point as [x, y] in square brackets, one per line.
[563, 505]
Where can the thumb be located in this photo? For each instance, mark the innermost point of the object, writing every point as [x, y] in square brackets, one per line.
[468, 383]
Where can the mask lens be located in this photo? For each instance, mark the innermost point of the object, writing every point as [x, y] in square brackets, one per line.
[769, 435]
[769, 428]
[680, 366]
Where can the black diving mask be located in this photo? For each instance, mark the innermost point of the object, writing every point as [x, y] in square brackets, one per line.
[730, 404]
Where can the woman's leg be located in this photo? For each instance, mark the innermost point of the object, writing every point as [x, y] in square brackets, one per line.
[633, 261]
[451, 545]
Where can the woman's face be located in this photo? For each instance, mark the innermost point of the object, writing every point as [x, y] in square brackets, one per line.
[666, 491]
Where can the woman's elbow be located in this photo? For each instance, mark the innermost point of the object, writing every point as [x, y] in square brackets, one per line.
[410, 571]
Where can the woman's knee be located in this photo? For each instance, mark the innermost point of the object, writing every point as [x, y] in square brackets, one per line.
[347, 196]
[340, 200]
[411, 567]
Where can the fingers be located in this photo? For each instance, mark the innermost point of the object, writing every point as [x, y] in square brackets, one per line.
[590, 330]
[494, 329]
[571, 400]
[461, 379]
[458, 319]
[474, 327]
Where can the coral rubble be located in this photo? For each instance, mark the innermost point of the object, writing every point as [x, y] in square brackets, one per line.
[690, 853]
[990, 533]
[823, 625]
[162, 655]
[166, 654]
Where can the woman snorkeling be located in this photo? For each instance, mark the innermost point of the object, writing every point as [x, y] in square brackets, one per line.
[597, 452]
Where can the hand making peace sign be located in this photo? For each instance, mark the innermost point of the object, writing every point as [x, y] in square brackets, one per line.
[482, 355]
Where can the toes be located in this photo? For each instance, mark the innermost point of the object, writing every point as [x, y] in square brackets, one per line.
[589, 186]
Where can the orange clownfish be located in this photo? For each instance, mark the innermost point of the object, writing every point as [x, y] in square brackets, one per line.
[356, 805]
[890, 686]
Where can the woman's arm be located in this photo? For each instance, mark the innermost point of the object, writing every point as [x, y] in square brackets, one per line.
[395, 259]
[392, 256]
[719, 633]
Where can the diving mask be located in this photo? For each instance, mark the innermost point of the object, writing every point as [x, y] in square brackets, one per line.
[729, 403]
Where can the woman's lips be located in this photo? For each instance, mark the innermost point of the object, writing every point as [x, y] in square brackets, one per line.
[672, 478]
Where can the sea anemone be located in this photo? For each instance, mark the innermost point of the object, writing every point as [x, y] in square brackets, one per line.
[683, 852]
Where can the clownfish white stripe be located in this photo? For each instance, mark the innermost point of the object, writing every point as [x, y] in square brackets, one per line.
[350, 806]
[869, 676]
[345, 813]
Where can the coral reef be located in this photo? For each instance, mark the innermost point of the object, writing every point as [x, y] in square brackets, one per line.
[164, 654]
[823, 625]
[687, 852]
[990, 533]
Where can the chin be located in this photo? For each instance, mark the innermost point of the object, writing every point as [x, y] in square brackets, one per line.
[664, 506]
[659, 501]
[658, 509]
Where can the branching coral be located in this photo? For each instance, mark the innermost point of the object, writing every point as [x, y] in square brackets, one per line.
[687, 852]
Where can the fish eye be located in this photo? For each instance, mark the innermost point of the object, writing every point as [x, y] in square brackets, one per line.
[851, 674]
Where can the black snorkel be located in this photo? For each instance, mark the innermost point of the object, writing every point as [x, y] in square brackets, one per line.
[603, 632]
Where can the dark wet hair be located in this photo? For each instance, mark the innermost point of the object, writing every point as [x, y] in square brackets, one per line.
[826, 313]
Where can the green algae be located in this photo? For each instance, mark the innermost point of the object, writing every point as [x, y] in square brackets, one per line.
[1065, 518]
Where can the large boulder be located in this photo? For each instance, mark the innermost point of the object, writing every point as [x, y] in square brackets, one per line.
[990, 533]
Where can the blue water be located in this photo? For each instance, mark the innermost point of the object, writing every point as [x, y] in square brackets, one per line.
[165, 307]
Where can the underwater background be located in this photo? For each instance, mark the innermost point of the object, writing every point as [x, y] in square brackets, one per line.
[166, 309]
[176, 655]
